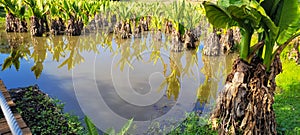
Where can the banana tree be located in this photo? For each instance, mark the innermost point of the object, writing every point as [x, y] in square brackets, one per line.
[175, 14]
[104, 15]
[57, 24]
[72, 16]
[15, 19]
[157, 19]
[192, 18]
[245, 104]
[123, 27]
[88, 11]
[37, 11]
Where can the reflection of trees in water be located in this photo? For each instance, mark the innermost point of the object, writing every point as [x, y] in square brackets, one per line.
[17, 48]
[64, 49]
[38, 55]
[173, 70]
[191, 59]
[215, 70]
[172, 81]
[67, 51]
[177, 71]
[4, 45]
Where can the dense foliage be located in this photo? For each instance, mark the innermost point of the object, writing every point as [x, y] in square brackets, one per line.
[44, 115]
[71, 16]
[275, 21]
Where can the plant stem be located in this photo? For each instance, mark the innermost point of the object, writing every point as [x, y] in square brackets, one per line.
[245, 43]
[260, 51]
[256, 49]
[268, 55]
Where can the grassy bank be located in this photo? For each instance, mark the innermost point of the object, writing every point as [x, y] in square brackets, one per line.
[42, 114]
[194, 125]
[287, 99]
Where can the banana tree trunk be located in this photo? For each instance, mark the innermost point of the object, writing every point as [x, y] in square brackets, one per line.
[36, 26]
[245, 104]
[123, 29]
[45, 24]
[168, 27]
[74, 27]
[212, 45]
[189, 40]
[11, 23]
[22, 26]
[227, 41]
[176, 44]
[57, 27]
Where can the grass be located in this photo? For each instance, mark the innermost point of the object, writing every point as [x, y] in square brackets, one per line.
[287, 99]
[194, 125]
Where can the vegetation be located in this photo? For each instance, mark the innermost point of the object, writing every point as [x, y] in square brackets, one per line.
[44, 115]
[245, 104]
[194, 125]
[2, 12]
[15, 16]
[125, 19]
[287, 97]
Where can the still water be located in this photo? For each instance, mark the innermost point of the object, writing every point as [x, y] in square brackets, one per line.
[113, 80]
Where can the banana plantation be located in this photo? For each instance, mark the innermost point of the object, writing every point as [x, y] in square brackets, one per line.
[145, 67]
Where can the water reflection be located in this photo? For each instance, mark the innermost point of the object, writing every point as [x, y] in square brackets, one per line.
[98, 57]
[215, 70]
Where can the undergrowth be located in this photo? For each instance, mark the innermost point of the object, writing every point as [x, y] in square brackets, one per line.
[287, 98]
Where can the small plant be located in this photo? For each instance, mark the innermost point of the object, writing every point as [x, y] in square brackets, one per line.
[194, 125]
[123, 131]
[92, 130]
[44, 115]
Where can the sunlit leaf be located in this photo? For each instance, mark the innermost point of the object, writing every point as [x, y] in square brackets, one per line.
[110, 131]
[126, 127]
[288, 21]
[7, 63]
[217, 16]
[92, 130]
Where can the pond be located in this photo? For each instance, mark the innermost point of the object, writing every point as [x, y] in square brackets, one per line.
[112, 80]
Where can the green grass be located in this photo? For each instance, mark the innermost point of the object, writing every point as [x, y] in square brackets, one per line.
[287, 99]
[194, 125]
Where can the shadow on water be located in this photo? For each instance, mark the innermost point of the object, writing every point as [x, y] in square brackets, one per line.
[123, 72]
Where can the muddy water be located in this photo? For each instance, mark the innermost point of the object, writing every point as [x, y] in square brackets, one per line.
[112, 80]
